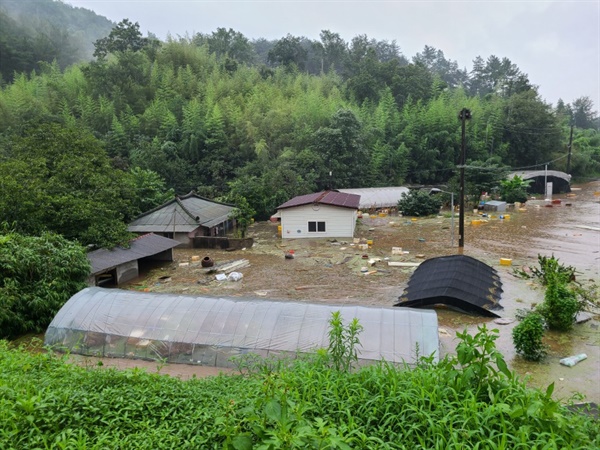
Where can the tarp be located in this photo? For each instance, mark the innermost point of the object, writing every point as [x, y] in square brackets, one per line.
[210, 330]
[458, 281]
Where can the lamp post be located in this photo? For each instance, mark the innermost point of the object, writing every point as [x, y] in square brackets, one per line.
[464, 115]
[436, 191]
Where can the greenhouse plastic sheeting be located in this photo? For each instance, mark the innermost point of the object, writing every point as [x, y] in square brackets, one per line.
[211, 330]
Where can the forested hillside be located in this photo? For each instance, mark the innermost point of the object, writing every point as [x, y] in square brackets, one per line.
[46, 30]
[86, 148]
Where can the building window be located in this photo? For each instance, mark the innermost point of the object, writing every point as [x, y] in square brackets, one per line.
[316, 227]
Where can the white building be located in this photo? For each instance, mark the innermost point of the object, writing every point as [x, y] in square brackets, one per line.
[323, 214]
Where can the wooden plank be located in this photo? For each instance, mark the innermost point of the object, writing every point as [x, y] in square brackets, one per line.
[402, 264]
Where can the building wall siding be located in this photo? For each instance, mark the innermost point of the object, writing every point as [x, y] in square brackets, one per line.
[340, 222]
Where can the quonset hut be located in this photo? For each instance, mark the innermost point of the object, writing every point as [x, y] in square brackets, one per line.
[210, 330]
[459, 281]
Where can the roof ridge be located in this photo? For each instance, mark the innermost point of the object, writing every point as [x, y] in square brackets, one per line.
[185, 210]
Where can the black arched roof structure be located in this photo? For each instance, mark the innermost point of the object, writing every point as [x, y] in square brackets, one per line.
[561, 181]
[210, 330]
[459, 281]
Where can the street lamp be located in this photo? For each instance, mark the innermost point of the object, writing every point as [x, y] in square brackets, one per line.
[437, 191]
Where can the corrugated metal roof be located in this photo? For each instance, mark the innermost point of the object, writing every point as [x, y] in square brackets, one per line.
[378, 197]
[457, 280]
[182, 215]
[210, 330]
[333, 198]
[142, 246]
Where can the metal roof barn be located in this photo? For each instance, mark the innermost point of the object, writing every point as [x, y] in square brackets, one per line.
[379, 197]
[211, 330]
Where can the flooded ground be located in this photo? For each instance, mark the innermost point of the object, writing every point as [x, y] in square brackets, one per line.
[330, 272]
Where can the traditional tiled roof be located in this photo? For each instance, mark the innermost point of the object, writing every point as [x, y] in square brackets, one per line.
[332, 198]
[140, 247]
[182, 215]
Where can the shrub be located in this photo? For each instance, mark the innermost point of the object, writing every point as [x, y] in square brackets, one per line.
[527, 337]
[560, 306]
[419, 203]
[37, 276]
[514, 189]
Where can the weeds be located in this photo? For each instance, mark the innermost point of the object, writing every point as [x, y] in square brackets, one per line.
[468, 401]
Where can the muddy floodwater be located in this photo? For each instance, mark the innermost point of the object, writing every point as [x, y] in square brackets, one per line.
[332, 272]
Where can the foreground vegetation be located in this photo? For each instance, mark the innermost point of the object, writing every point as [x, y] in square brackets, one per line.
[468, 401]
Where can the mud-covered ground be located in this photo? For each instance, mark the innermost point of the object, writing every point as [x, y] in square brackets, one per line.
[329, 271]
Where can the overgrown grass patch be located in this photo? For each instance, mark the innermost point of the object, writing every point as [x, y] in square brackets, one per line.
[471, 401]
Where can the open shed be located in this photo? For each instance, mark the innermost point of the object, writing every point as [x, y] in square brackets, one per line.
[118, 265]
[211, 330]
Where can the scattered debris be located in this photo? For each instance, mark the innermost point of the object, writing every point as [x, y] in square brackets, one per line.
[235, 276]
[583, 317]
[504, 321]
[220, 277]
[570, 361]
[403, 264]
[311, 286]
[229, 266]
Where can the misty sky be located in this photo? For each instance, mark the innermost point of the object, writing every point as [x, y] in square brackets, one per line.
[557, 43]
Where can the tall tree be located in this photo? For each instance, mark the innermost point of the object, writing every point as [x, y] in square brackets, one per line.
[288, 52]
[123, 37]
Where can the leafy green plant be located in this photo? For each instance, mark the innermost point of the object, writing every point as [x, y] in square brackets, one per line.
[527, 337]
[550, 267]
[465, 401]
[343, 342]
[419, 203]
[560, 306]
[37, 276]
[477, 356]
[514, 189]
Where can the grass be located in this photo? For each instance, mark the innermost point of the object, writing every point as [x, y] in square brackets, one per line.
[465, 402]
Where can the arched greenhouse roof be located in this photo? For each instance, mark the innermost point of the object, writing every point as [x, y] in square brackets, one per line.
[210, 330]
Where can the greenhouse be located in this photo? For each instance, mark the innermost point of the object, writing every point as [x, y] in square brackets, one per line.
[211, 330]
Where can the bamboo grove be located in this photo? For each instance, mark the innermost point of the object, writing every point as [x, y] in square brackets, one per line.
[225, 117]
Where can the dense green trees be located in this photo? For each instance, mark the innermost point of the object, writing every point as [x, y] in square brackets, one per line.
[37, 276]
[43, 31]
[265, 120]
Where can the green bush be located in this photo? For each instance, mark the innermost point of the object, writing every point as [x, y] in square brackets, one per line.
[514, 189]
[560, 306]
[527, 337]
[419, 203]
[38, 274]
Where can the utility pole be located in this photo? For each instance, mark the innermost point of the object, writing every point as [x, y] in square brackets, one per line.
[464, 115]
[570, 146]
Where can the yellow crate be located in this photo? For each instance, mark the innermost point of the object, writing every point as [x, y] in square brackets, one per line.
[505, 262]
